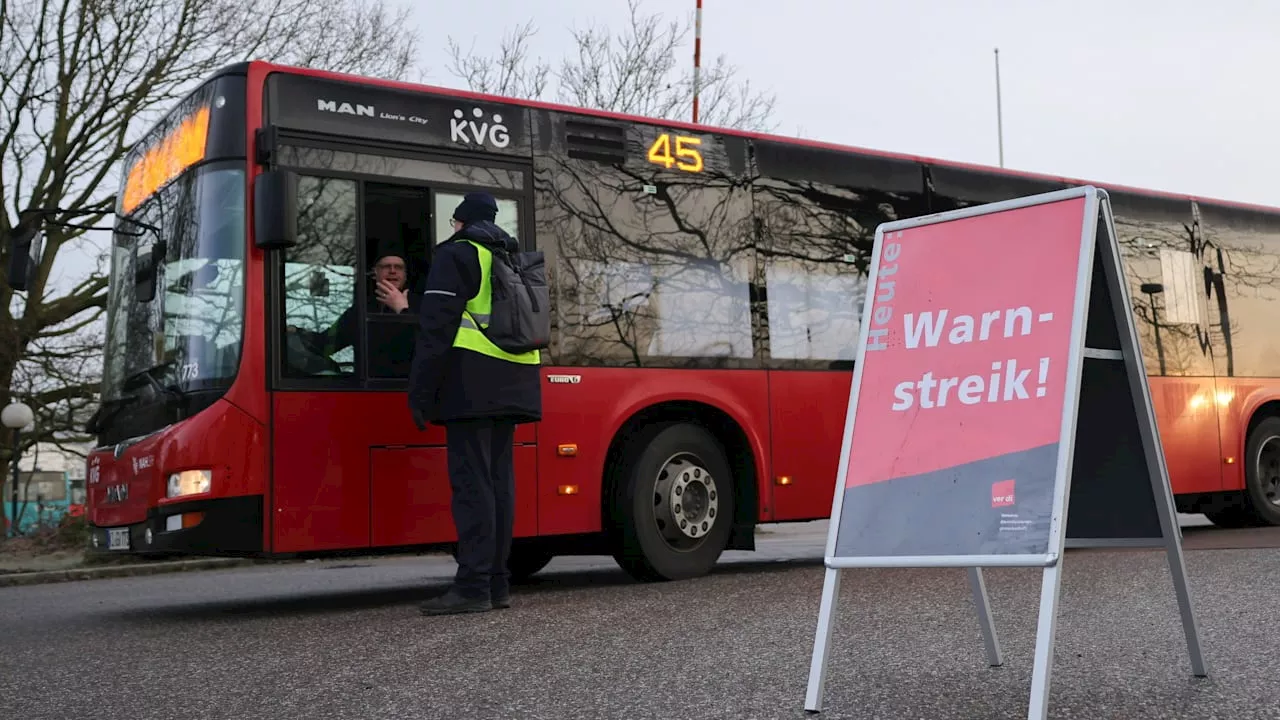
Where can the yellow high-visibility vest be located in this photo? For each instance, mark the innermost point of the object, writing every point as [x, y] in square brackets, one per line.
[476, 316]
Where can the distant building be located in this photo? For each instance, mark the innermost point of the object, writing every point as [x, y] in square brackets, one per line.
[51, 484]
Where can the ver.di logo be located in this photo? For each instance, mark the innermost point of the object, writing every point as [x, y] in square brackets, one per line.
[481, 132]
[1002, 493]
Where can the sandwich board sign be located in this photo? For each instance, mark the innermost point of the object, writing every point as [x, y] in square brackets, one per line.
[999, 412]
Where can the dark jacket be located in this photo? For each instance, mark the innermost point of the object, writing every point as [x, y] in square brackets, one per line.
[448, 384]
[390, 343]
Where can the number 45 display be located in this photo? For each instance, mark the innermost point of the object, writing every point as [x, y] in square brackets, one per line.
[686, 157]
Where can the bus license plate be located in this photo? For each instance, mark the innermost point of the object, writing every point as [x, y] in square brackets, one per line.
[118, 539]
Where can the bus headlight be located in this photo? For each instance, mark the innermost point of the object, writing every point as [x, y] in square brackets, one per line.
[190, 482]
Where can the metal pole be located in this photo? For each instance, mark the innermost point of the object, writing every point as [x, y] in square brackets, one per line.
[697, 60]
[13, 478]
[999, 111]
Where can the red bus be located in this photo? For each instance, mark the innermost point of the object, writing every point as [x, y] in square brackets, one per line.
[707, 286]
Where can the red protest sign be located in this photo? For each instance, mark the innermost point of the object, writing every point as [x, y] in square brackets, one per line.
[963, 384]
[999, 412]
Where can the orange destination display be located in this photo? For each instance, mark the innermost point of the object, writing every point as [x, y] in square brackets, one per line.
[172, 153]
[999, 412]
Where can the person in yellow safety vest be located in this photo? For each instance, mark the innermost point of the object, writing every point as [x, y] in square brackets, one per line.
[479, 393]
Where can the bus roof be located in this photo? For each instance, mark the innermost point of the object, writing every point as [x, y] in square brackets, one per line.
[268, 67]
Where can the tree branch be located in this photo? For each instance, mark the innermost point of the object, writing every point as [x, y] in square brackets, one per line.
[79, 83]
[634, 71]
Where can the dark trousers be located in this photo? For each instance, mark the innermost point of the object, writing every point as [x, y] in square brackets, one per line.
[482, 477]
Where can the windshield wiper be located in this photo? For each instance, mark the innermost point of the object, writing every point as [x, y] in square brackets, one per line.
[150, 391]
[106, 411]
[153, 387]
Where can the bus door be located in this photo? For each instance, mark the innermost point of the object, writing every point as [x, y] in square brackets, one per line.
[349, 468]
[408, 470]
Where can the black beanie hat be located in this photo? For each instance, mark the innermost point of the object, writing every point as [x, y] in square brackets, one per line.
[389, 248]
[476, 206]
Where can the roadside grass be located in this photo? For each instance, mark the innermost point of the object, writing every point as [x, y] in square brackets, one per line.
[58, 547]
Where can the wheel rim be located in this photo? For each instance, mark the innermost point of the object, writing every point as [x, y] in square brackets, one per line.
[1267, 467]
[686, 502]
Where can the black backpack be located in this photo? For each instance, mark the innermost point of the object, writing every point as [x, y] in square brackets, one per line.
[520, 315]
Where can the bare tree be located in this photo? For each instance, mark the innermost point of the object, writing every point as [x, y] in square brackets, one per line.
[645, 70]
[510, 72]
[79, 82]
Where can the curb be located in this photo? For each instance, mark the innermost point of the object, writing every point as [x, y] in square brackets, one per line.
[115, 571]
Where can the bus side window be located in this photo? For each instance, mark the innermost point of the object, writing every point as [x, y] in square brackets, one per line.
[508, 215]
[318, 283]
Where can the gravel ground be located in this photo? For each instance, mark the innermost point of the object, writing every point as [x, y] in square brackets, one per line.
[343, 640]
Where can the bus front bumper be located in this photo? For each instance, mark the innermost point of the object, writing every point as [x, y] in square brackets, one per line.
[209, 527]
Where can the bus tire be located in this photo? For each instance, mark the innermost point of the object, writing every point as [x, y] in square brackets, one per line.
[1262, 472]
[674, 503]
[524, 562]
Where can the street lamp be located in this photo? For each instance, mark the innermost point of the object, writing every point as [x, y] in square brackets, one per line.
[15, 416]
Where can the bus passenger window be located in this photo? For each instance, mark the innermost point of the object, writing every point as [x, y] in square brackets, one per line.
[318, 281]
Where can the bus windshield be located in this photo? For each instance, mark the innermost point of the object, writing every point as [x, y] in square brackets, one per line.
[188, 336]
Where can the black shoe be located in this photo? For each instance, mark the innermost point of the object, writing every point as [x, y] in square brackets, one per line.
[454, 602]
[501, 601]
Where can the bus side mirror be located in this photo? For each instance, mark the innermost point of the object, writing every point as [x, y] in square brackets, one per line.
[24, 257]
[275, 210]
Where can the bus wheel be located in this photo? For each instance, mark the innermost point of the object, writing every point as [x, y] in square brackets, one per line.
[525, 562]
[675, 500]
[1262, 474]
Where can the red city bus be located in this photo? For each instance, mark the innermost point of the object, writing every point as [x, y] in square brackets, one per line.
[707, 286]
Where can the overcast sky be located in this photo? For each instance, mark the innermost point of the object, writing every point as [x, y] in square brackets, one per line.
[1167, 94]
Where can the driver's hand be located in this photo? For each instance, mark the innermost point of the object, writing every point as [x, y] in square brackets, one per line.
[387, 294]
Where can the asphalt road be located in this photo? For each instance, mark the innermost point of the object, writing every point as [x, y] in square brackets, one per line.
[344, 640]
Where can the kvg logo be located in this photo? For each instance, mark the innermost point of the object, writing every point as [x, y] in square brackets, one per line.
[481, 133]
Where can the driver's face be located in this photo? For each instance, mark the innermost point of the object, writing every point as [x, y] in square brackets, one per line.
[391, 269]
